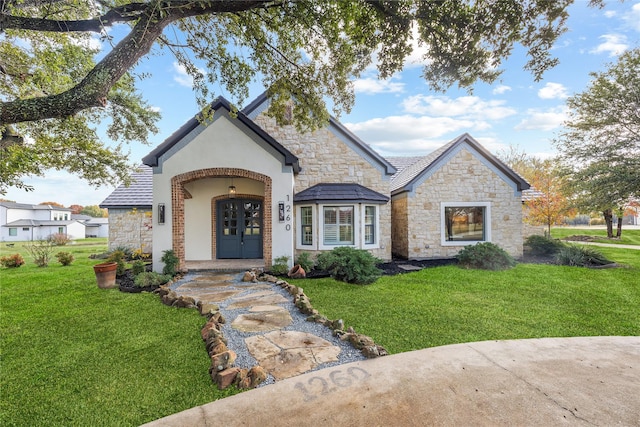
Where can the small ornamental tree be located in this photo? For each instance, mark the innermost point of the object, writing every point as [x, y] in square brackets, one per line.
[550, 205]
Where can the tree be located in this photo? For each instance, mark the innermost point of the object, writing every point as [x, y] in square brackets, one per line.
[54, 88]
[600, 143]
[94, 211]
[550, 204]
[76, 209]
[60, 205]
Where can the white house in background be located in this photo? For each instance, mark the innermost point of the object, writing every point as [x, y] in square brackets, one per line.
[95, 227]
[24, 222]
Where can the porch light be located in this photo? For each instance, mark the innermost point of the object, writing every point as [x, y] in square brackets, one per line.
[232, 191]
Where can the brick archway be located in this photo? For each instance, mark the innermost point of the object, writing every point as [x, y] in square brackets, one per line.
[178, 194]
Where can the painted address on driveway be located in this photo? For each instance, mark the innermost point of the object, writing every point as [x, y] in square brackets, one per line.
[319, 386]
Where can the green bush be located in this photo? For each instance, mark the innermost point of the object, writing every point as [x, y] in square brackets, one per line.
[305, 261]
[65, 258]
[118, 257]
[485, 256]
[597, 221]
[41, 251]
[59, 239]
[126, 251]
[12, 261]
[151, 278]
[350, 265]
[137, 267]
[170, 261]
[280, 265]
[581, 256]
[542, 245]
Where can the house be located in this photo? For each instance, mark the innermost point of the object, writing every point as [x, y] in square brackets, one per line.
[24, 222]
[130, 217]
[239, 186]
[94, 227]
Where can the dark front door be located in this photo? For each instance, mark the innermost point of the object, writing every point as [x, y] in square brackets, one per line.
[239, 228]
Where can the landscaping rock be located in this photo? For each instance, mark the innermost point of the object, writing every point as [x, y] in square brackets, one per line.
[222, 361]
[225, 378]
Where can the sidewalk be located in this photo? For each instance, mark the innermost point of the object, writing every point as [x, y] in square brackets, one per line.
[537, 382]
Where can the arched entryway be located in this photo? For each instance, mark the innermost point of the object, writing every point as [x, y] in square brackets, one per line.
[179, 194]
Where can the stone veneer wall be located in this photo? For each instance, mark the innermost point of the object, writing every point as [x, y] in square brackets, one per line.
[131, 228]
[400, 226]
[324, 158]
[463, 179]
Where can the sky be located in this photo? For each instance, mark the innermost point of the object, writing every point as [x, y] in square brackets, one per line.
[401, 116]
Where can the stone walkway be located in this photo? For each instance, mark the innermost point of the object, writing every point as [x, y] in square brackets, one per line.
[263, 327]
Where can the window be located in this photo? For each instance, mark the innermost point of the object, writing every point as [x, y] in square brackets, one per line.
[465, 223]
[13, 231]
[369, 225]
[338, 225]
[25, 228]
[306, 223]
[61, 230]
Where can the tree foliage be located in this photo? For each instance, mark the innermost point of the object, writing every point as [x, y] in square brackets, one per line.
[55, 86]
[94, 211]
[600, 143]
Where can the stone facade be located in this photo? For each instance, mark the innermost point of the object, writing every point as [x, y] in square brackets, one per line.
[325, 158]
[131, 228]
[463, 178]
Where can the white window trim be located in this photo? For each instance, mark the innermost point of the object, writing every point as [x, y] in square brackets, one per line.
[318, 227]
[376, 225]
[487, 223]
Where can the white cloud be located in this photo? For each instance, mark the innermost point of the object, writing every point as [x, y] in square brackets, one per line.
[500, 89]
[610, 13]
[614, 44]
[182, 77]
[372, 86]
[155, 109]
[553, 91]
[417, 56]
[633, 18]
[542, 120]
[471, 107]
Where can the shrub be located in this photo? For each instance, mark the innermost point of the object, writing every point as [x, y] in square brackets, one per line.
[126, 251]
[41, 251]
[280, 265]
[12, 261]
[137, 267]
[305, 261]
[140, 254]
[59, 239]
[170, 261]
[118, 257]
[151, 278]
[543, 245]
[65, 258]
[350, 265]
[485, 256]
[581, 256]
[597, 221]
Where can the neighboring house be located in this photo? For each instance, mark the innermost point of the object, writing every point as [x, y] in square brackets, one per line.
[243, 187]
[130, 217]
[95, 227]
[24, 222]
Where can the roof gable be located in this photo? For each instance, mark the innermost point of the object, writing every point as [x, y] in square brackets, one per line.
[220, 104]
[416, 172]
[261, 104]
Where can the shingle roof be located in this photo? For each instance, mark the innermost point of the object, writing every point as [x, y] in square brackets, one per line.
[37, 223]
[138, 195]
[414, 169]
[14, 205]
[336, 192]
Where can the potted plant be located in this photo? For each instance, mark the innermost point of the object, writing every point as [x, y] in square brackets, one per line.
[106, 274]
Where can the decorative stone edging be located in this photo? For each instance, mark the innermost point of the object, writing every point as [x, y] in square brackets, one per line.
[222, 371]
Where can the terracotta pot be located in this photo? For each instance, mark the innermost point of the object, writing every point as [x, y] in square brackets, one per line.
[297, 272]
[106, 274]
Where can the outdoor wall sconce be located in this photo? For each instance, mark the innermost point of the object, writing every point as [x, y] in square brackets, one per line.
[160, 213]
[232, 191]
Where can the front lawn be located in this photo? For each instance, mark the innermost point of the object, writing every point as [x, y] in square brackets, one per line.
[73, 354]
[628, 237]
[448, 305]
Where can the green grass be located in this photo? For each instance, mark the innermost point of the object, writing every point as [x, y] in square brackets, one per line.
[73, 354]
[448, 305]
[628, 237]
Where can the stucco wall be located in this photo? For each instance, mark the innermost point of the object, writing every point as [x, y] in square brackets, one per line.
[325, 158]
[222, 144]
[131, 228]
[464, 178]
